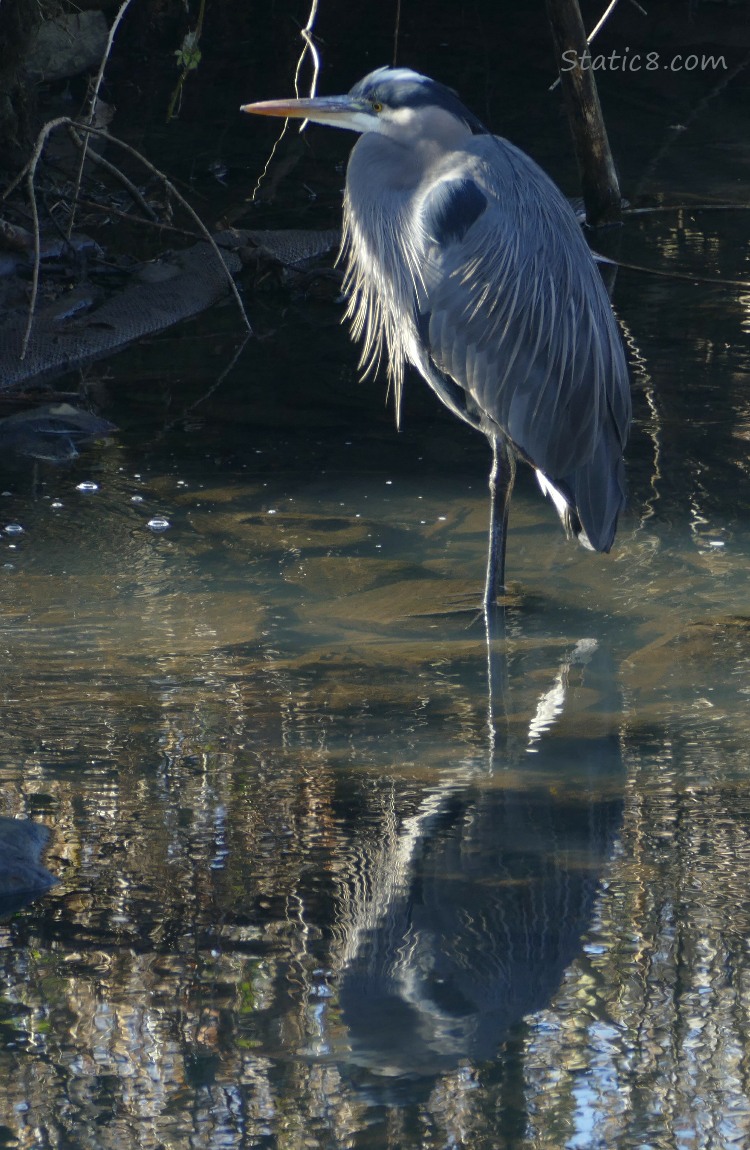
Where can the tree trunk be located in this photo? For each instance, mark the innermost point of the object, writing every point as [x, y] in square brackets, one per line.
[601, 191]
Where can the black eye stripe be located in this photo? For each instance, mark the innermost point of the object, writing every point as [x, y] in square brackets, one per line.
[386, 88]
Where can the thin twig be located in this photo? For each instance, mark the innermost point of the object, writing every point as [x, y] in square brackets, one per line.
[94, 101]
[657, 208]
[37, 260]
[207, 394]
[139, 220]
[396, 32]
[181, 201]
[113, 170]
[189, 56]
[30, 172]
[602, 20]
[269, 161]
[53, 220]
[600, 24]
[311, 47]
[670, 275]
[15, 182]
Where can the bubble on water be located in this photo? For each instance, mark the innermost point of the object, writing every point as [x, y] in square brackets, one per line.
[13, 529]
[158, 523]
[136, 499]
[87, 485]
[56, 504]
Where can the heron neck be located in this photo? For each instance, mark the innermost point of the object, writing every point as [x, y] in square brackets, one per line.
[398, 158]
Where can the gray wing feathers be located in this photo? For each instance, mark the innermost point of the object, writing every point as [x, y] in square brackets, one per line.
[516, 312]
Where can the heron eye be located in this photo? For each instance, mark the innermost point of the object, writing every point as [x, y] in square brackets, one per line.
[377, 106]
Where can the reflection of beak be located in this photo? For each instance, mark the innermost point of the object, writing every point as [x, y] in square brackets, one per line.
[338, 111]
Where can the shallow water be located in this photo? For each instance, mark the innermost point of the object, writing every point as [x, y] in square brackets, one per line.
[330, 874]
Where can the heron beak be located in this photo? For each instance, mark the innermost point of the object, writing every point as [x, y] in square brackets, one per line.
[338, 111]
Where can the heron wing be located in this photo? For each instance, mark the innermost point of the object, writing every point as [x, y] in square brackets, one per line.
[513, 309]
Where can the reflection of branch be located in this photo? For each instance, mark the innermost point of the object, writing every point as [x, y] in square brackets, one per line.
[640, 371]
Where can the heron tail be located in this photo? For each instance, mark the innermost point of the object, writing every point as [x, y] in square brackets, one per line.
[590, 499]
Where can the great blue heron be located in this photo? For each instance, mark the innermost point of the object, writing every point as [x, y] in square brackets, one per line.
[466, 261]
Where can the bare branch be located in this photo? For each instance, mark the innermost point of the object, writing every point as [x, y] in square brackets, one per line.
[311, 48]
[181, 201]
[663, 273]
[29, 171]
[94, 101]
[600, 24]
[113, 171]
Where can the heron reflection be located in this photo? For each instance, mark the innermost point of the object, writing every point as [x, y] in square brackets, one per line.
[476, 904]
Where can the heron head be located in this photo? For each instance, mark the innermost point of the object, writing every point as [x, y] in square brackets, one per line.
[388, 101]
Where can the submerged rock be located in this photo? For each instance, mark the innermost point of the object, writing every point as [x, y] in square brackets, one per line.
[52, 432]
[23, 876]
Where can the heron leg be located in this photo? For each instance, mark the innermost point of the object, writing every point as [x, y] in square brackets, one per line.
[502, 478]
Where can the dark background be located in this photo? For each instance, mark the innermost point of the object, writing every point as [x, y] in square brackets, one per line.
[498, 55]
